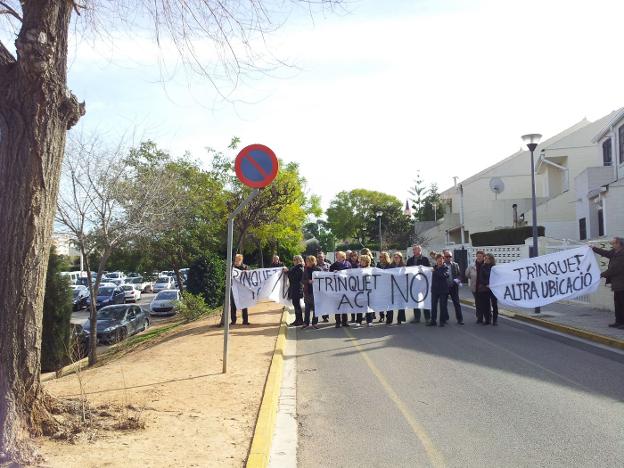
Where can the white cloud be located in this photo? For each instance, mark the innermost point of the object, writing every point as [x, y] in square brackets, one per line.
[377, 97]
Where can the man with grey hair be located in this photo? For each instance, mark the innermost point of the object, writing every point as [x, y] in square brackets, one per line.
[615, 277]
[419, 259]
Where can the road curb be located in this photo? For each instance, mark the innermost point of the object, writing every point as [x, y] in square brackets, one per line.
[260, 450]
[590, 336]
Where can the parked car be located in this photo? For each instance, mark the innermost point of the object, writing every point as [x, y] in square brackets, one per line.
[140, 283]
[117, 322]
[164, 282]
[164, 302]
[80, 296]
[133, 293]
[109, 295]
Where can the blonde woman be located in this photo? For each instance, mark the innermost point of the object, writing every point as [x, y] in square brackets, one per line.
[239, 265]
[365, 262]
[341, 263]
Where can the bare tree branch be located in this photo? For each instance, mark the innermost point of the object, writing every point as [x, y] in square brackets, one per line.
[8, 10]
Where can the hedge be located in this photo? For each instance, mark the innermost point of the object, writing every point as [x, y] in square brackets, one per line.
[57, 311]
[506, 236]
[206, 277]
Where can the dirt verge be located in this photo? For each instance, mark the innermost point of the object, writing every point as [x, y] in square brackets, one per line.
[167, 402]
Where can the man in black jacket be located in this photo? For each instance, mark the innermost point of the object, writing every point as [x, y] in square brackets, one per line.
[454, 284]
[419, 259]
[615, 277]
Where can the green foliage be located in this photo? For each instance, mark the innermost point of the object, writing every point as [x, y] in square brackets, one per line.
[507, 236]
[352, 217]
[206, 277]
[57, 310]
[419, 193]
[428, 212]
[192, 307]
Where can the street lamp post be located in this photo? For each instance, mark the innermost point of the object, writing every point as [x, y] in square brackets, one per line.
[532, 140]
[379, 215]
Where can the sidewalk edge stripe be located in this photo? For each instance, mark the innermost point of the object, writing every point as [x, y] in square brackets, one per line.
[595, 337]
[260, 449]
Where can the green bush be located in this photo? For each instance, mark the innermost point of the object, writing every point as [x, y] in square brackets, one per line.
[206, 277]
[507, 236]
[191, 307]
[57, 310]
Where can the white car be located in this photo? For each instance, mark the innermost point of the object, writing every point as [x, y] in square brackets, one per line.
[164, 302]
[140, 283]
[162, 283]
[132, 293]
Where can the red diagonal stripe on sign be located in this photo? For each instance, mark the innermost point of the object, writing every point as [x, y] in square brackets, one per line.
[255, 164]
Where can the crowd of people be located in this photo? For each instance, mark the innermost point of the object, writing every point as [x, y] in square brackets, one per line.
[445, 284]
[446, 280]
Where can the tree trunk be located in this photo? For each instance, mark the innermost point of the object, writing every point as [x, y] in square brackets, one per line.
[93, 309]
[36, 110]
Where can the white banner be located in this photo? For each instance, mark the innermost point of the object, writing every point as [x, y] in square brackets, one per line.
[251, 286]
[371, 290]
[538, 281]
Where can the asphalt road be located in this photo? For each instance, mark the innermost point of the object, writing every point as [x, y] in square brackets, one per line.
[458, 396]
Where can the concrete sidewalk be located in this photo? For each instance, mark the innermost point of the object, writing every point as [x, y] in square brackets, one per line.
[577, 319]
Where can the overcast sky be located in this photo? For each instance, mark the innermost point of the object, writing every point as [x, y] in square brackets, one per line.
[378, 92]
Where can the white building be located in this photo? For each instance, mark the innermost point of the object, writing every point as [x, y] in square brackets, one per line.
[599, 189]
[500, 195]
[65, 245]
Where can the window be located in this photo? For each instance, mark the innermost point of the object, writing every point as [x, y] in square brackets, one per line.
[621, 141]
[607, 158]
[582, 229]
[600, 223]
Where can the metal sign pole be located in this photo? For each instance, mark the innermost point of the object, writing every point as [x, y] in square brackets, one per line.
[228, 273]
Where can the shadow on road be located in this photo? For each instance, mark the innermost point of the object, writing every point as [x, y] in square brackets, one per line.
[510, 347]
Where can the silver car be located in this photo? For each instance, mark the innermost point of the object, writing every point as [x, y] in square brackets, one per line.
[164, 302]
[162, 283]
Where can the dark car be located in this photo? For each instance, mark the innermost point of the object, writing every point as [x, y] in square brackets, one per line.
[81, 296]
[109, 295]
[115, 323]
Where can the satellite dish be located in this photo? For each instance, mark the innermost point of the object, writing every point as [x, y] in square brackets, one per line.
[497, 185]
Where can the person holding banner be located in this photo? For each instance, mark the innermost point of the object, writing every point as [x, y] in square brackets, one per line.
[489, 262]
[615, 277]
[397, 262]
[295, 289]
[324, 266]
[473, 272]
[440, 278]
[365, 262]
[308, 295]
[484, 294]
[419, 259]
[239, 265]
[384, 262]
[339, 265]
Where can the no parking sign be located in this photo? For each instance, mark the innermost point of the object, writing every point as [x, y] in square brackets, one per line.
[256, 166]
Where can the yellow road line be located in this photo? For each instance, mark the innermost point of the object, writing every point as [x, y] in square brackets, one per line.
[260, 450]
[434, 455]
